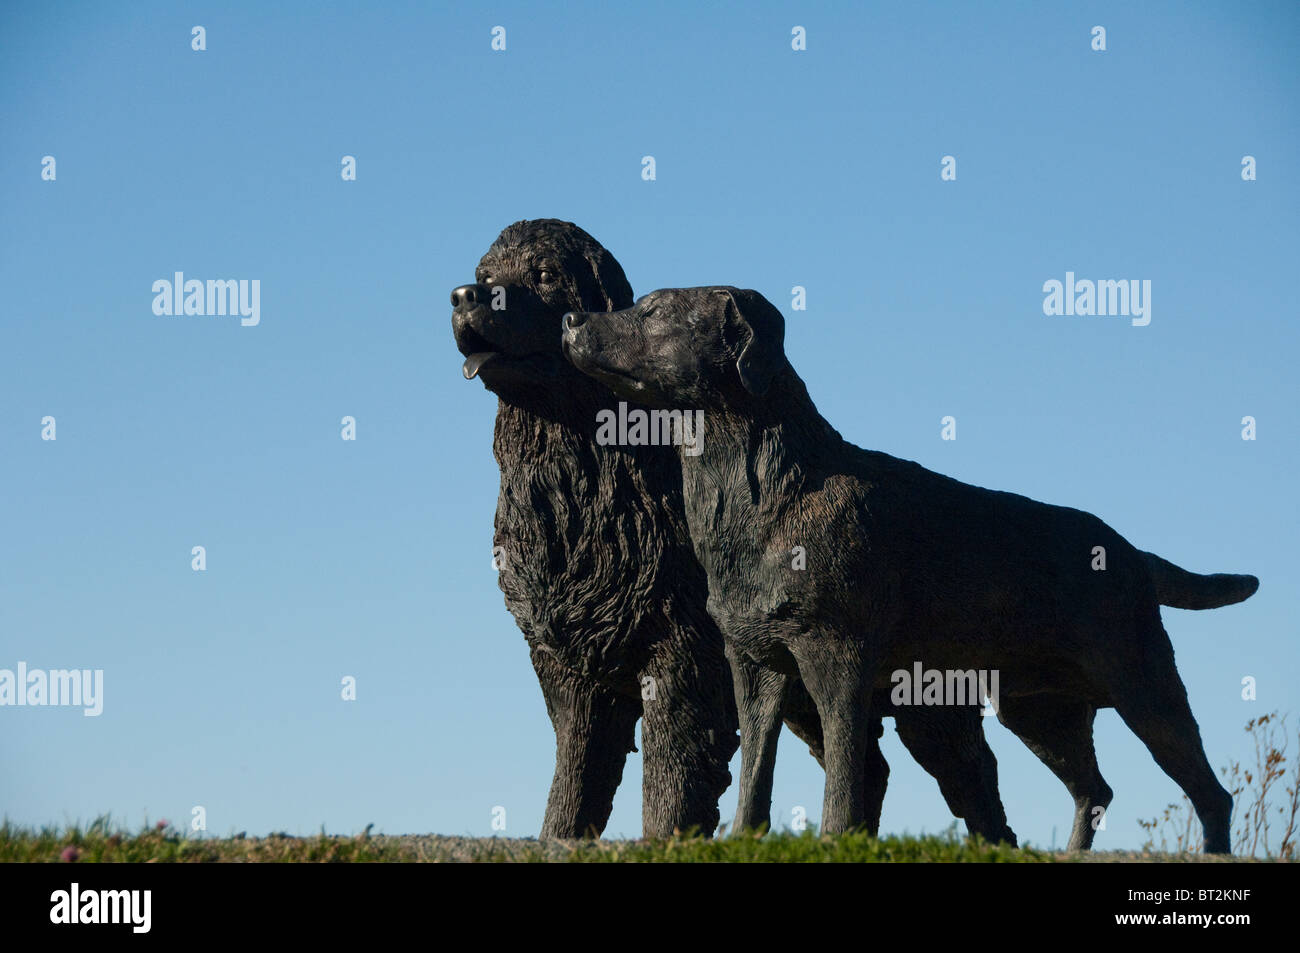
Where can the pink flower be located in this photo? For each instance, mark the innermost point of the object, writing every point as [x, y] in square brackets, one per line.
[162, 825]
[70, 855]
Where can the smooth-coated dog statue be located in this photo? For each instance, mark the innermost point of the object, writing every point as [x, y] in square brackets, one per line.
[903, 564]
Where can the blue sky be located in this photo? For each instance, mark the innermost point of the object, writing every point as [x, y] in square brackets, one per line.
[775, 168]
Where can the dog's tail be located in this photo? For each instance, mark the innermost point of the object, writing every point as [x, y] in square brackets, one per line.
[1189, 590]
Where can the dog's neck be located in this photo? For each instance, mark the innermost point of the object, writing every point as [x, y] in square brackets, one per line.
[779, 432]
[569, 402]
[555, 430]
[755, 456]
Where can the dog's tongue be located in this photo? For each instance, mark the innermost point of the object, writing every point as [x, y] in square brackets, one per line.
[474, 363]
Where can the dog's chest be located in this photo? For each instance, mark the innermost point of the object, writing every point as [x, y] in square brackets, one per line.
[756, 577]
[786, 554]
[588, 552]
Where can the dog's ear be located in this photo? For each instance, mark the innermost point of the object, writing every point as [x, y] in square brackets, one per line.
[611, 283]
[762, 354]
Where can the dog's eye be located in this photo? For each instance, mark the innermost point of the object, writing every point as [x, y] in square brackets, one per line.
[547, 276]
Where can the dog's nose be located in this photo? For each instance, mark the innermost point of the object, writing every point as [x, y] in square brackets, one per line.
[466, 296]
[575, 319]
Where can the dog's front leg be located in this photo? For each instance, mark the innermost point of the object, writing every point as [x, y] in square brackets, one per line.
[594, 731]
[800, 713]
[838, 674]
[688, 732]
[760, 699]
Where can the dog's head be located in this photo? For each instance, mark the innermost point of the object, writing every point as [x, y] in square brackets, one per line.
[700, 347]
[507, 324]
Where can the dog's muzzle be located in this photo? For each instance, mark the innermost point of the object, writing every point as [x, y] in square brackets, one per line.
[466, 301]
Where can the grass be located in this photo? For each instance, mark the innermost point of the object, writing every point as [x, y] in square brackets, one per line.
[807, 847]
[101, 842]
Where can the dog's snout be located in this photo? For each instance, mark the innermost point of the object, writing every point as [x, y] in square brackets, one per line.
[575, 319]
[466, 296]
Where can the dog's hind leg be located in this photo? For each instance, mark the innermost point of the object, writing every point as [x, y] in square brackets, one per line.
[1152, 700]
[875, 777]
[760, 699]
[949, 743]
[800, 714]
[595, 728]
[1059, 731]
